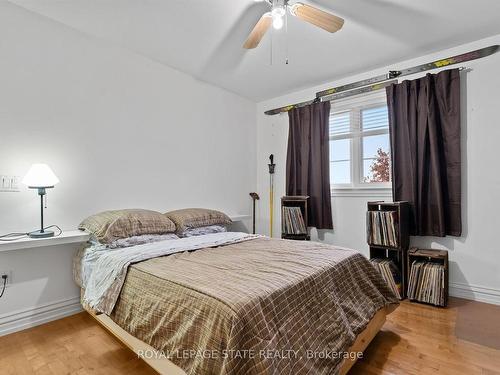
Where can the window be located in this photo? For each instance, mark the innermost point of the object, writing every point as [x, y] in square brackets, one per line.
[359, 143]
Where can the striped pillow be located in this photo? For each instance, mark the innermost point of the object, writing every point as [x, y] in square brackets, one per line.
[109, 226]
[197, 217]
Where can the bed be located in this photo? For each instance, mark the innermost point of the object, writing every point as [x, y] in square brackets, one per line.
[233, 303]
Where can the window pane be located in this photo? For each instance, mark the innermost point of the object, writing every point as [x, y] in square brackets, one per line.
[340, 149]
[373, 143]
[340, 157]
[340, 172]
[376, 158]
[375, 118]
[340, 123]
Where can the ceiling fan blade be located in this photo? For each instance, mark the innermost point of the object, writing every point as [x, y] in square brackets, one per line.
[258, 31]
[317, 17]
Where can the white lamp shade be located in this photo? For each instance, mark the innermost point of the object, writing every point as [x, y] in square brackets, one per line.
[40, 176]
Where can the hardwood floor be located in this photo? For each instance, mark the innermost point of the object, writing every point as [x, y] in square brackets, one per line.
[74, 345]
[416, 339]
[420, 339]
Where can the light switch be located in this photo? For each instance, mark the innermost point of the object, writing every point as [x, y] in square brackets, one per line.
[14, 183]
[9, 183]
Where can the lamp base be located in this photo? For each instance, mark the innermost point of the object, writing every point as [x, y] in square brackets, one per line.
[40, 234]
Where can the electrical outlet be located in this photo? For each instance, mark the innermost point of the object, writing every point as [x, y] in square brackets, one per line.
[9, 278]
[9, 183]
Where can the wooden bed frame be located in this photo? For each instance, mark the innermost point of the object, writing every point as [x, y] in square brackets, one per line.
[166, 367]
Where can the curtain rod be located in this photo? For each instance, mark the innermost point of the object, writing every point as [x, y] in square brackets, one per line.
[382, 81]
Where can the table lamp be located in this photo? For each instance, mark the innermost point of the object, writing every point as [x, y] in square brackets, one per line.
[40, 177]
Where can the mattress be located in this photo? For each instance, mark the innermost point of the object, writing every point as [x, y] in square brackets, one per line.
[84, 261]
[263, 306]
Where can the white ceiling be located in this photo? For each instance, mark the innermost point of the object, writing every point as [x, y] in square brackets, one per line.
[204, 38]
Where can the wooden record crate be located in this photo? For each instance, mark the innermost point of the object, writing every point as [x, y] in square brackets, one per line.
[398, 254]
[300, 201]
[431, 256]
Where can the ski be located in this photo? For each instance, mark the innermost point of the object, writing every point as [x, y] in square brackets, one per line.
[336, 96]
[371, 84]
[358, 91]
[276, 111]
[474, 55]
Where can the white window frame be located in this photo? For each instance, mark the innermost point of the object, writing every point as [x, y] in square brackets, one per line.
[355, 105]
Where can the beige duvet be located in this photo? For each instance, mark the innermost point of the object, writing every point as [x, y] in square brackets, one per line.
[262, 306]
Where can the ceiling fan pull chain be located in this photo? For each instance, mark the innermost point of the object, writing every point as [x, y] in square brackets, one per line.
[286, 37]
[272, 45]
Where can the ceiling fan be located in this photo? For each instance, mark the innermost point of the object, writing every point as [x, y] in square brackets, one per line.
[276, 17]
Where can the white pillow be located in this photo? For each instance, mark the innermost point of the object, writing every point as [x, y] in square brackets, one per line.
[140, 240]
[191, 232]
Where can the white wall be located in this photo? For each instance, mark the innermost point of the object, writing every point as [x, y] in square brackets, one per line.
[119, 130]
[474, 257]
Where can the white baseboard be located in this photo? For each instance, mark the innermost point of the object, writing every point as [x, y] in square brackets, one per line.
[23, 319]
[475, 293]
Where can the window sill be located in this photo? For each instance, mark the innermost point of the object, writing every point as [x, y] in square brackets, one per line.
[372, 192]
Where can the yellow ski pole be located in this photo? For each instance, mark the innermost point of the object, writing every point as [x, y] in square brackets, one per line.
[271, 166]
[271, 204]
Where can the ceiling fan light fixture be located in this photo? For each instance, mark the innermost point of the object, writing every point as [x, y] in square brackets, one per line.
[278, 13]
[278, 22]
[276, 18]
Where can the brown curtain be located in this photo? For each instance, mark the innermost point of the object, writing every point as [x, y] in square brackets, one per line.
[308, 161]
[424, 119]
